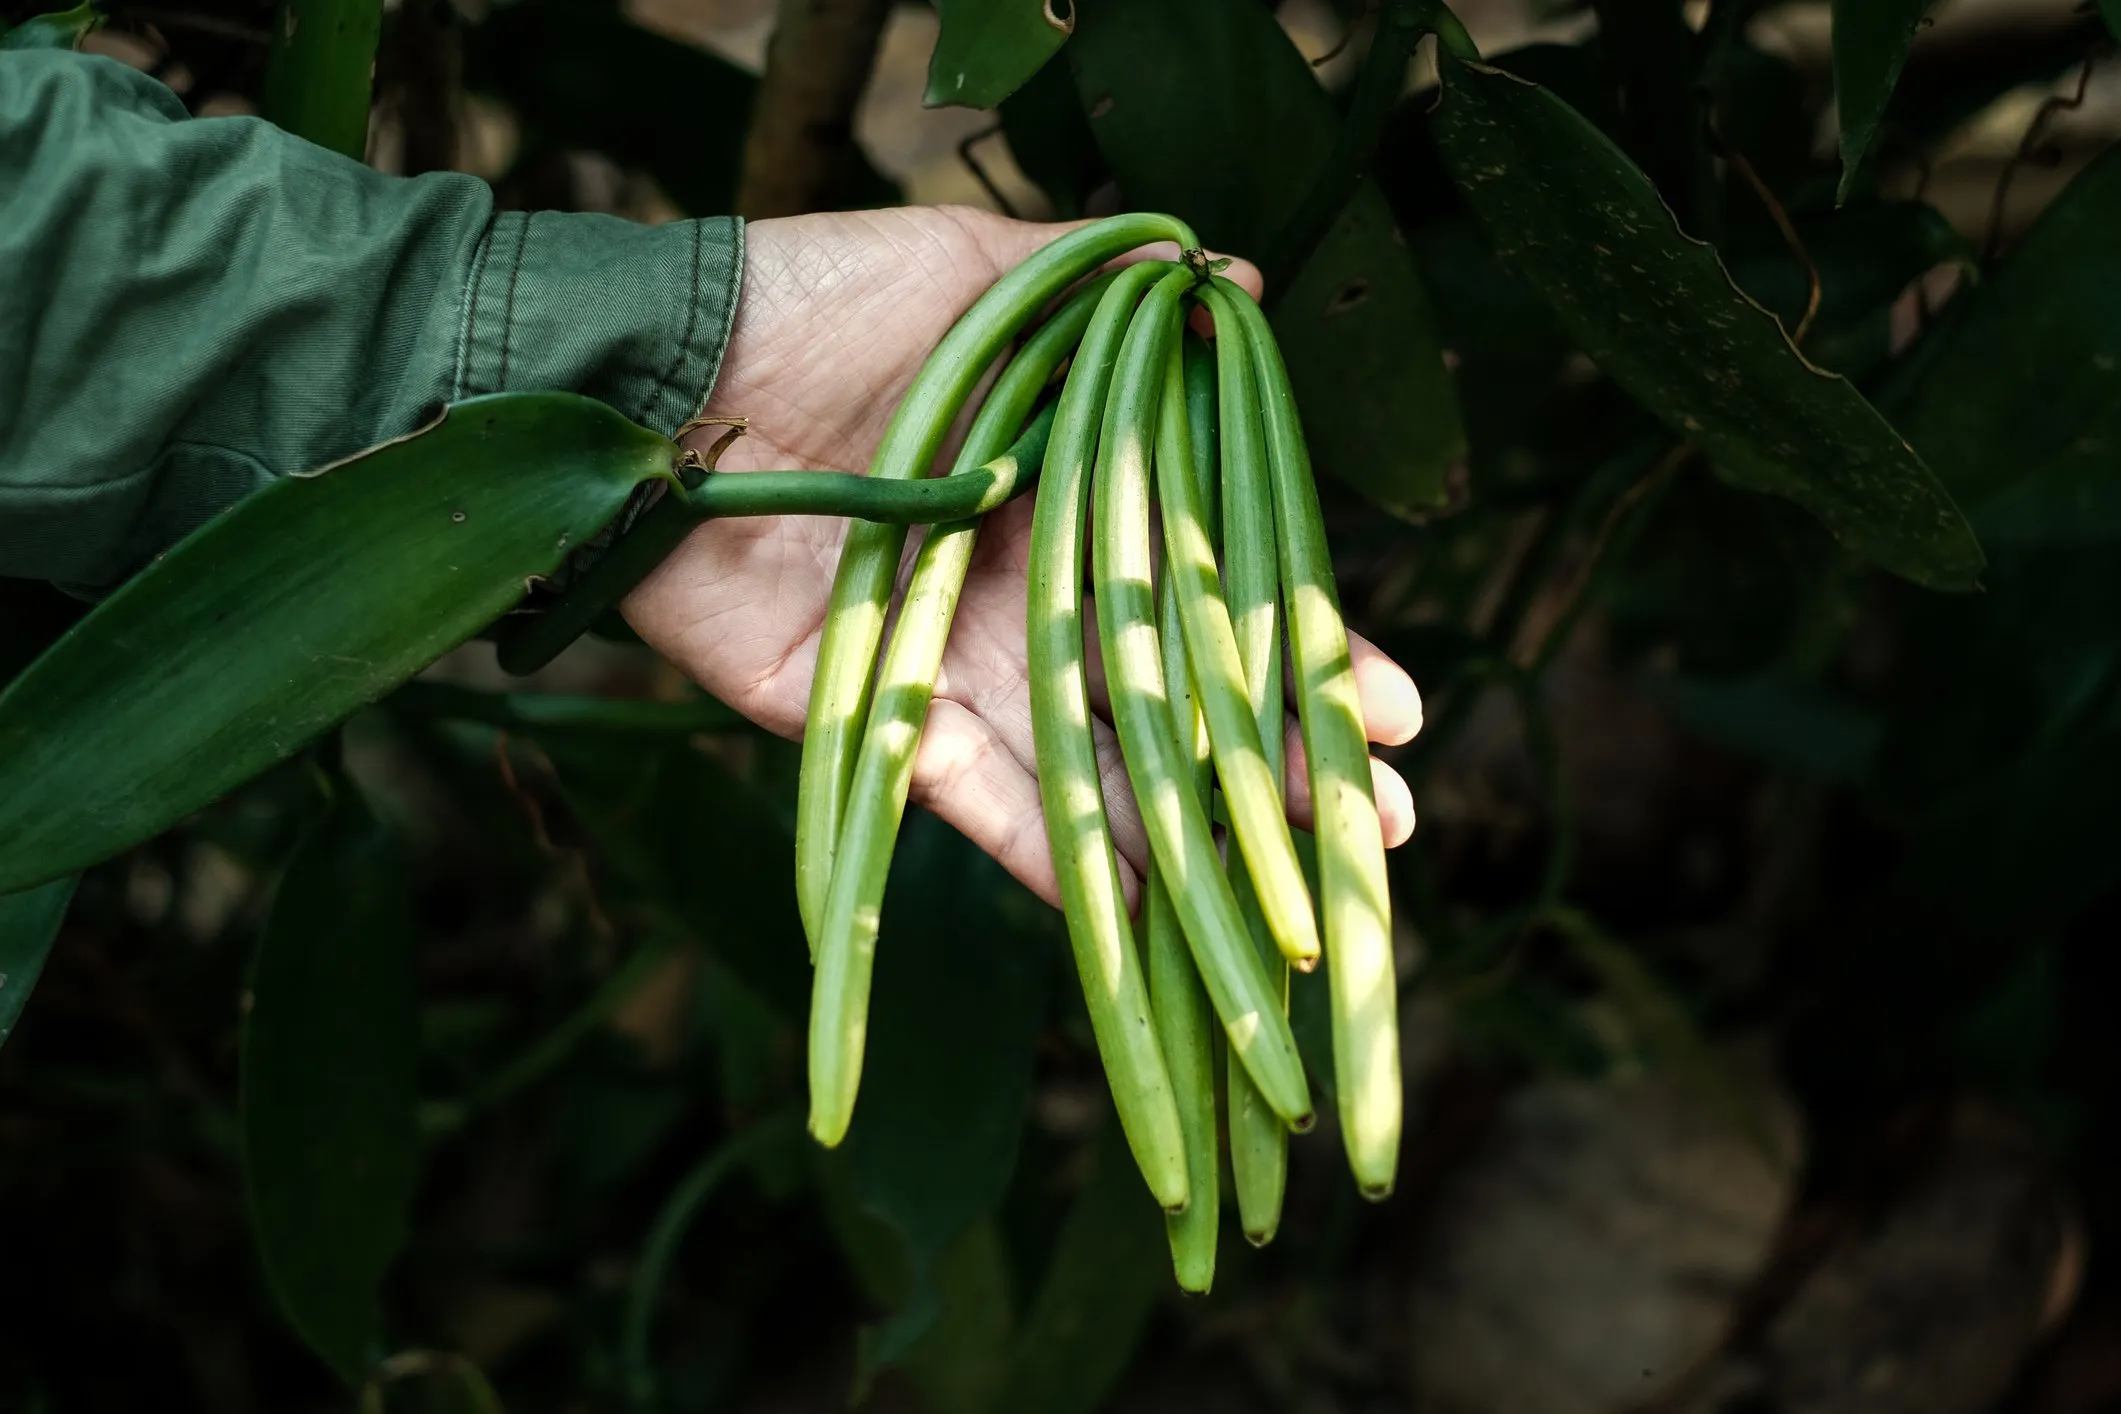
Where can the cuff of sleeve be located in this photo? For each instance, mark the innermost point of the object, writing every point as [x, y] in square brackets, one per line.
[634, 316]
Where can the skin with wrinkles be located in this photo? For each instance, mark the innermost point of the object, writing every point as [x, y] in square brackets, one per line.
[838, 313]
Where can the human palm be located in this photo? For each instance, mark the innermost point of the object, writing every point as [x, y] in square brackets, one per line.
[837, 314]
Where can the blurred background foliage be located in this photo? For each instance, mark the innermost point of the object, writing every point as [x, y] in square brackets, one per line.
[1751, 938]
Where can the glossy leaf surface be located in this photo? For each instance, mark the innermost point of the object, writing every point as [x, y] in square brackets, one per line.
[1356, 326]
[988, 48]
[29, 924]
[330, 1054]
[1871, 41]
[61, 29]
[286, 613]
[1660, 315]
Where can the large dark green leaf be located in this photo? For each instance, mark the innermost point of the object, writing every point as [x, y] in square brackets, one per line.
[988, 48]
[1661, 316]
[317, 71]
[1871, 40]
[687, 836]
[2111, 11]
[29, 923]
[1051, 140]
[285, 614]
[1231, 139]
[582, 75]
[61, 29]
[1108, 1268]
[2019, 407]
[954, 1023]
[329, 1069]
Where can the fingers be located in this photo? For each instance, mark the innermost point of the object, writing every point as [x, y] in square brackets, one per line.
[1395, 803]
[966, 773]
[1392, 714]
[1391, 704]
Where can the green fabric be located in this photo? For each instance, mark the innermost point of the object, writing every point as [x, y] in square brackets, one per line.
[189, 306]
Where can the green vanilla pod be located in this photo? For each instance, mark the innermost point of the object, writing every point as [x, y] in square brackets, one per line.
[869, 562]
[1184, 1019]
[1252, 788]
[1355, 900]
[1179, 831]
[845, 943]
[1086, 866]
[1259, 1142]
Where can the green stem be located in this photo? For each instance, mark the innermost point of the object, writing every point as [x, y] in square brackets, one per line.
[1400, 26]
[933, 501]
[668, 1234]
[534, 641]
[1450, 32]
[443, 1117]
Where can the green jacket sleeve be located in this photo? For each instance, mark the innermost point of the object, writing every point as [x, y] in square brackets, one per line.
[189, 306]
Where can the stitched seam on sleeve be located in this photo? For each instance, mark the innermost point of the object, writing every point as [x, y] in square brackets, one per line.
[692, 320]
[467, 325]
[732, 291]
[508, 324]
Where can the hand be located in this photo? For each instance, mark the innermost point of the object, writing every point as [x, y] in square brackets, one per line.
[838, 313]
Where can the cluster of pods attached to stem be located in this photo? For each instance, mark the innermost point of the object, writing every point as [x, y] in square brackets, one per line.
[1153, 425]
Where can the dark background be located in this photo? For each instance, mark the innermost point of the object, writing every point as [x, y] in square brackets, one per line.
[1754, 938]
